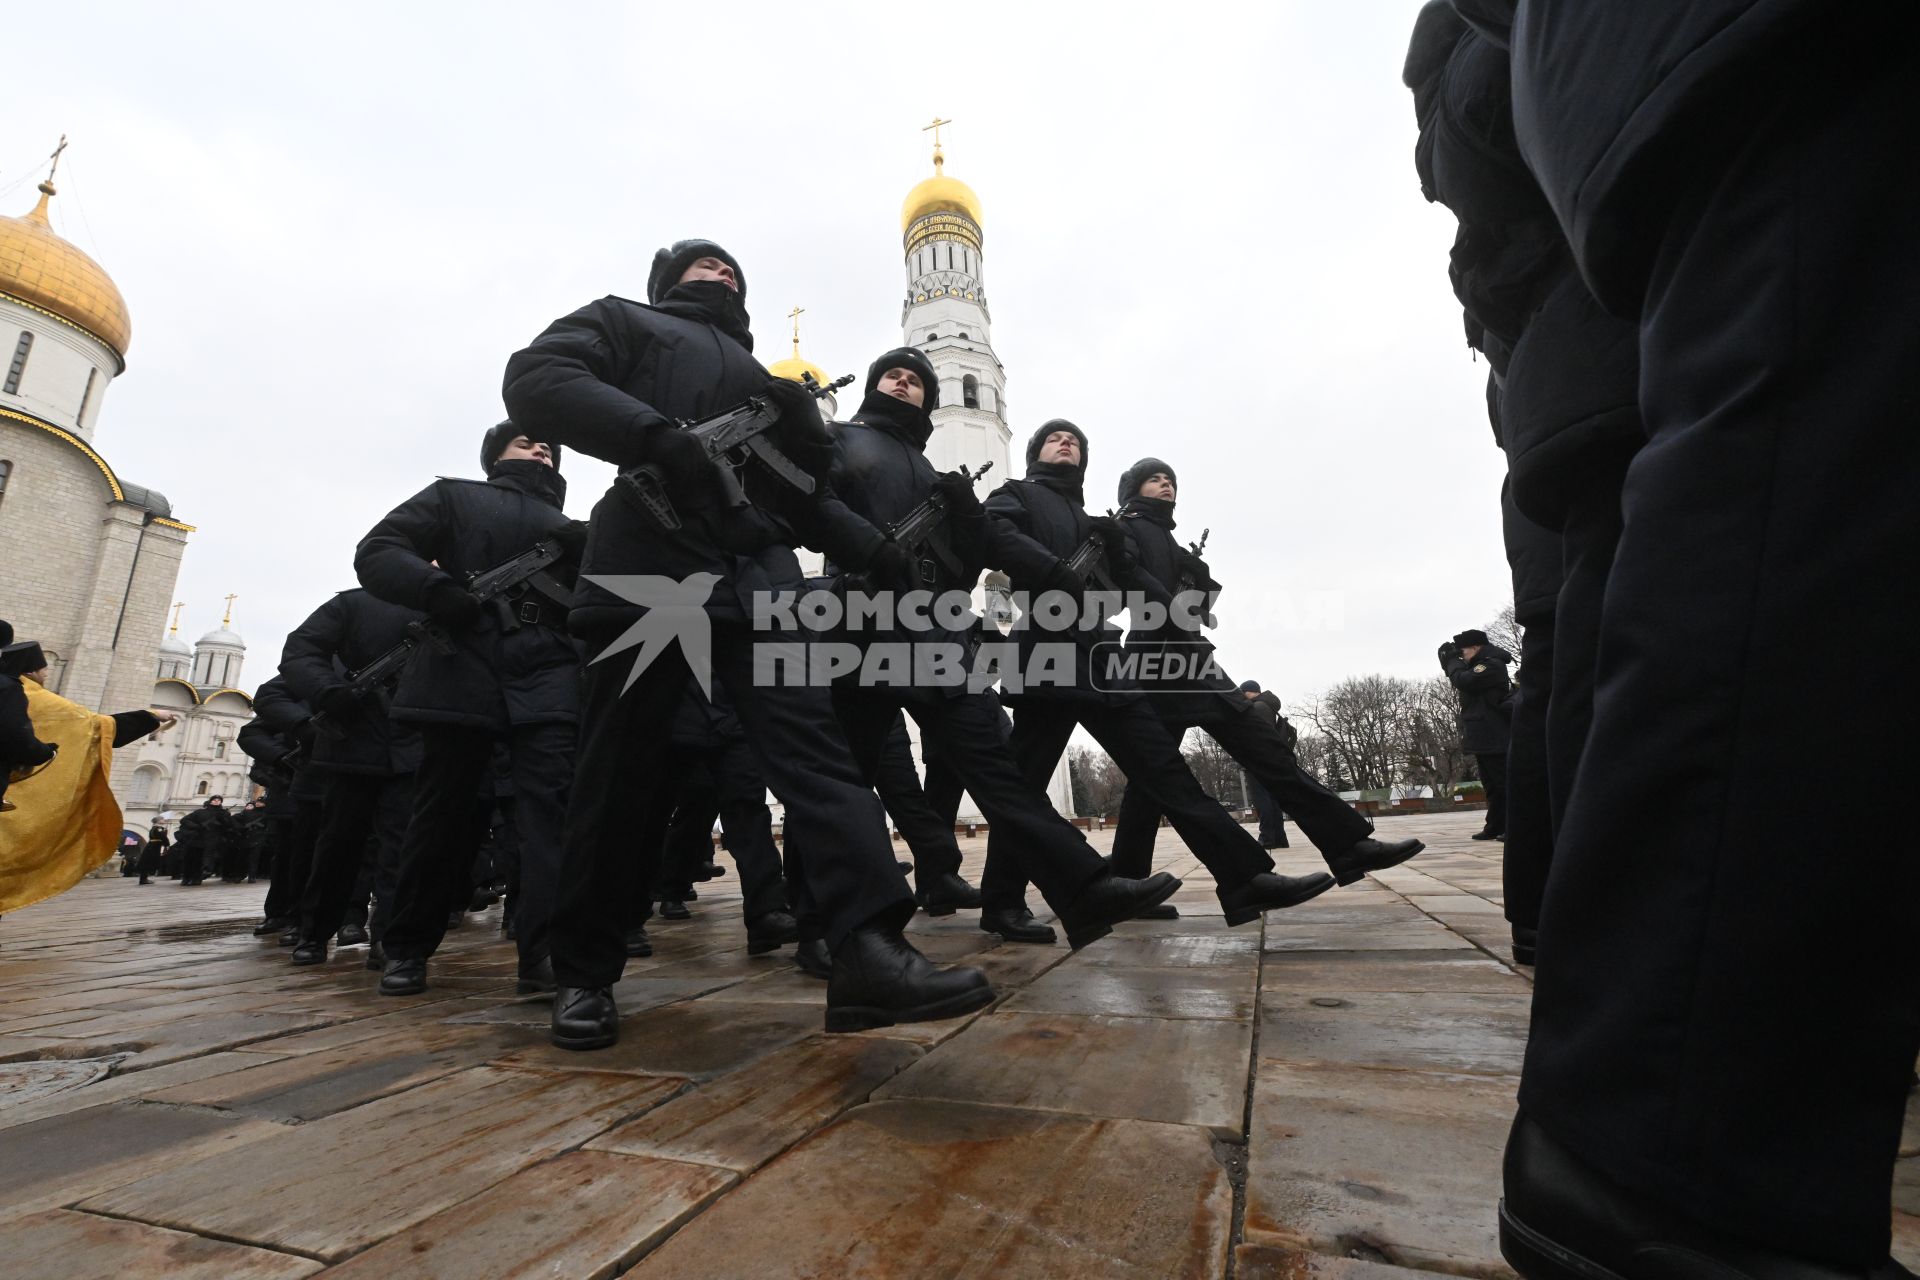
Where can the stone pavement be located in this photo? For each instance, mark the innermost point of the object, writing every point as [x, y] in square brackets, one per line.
[1322, 1097]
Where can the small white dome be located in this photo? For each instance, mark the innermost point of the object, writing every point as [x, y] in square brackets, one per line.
[221, 638]
[173, 644]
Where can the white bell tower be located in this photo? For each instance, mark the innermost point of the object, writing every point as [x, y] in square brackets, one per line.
[945, 315]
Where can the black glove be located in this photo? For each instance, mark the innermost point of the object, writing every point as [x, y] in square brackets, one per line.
[891, 568]
[304, 734]
[572, 537]
[1116, 544]
[957, 492]
[688, 472]
[453, 606]
[799, 411]
[1448, 652]
[1060, 578]
[1192, 566]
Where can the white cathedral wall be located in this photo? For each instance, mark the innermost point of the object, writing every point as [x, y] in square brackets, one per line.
[55, 382]
[50, 540]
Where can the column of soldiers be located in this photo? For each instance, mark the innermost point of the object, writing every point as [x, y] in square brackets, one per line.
[1686, 249]
[612, 742]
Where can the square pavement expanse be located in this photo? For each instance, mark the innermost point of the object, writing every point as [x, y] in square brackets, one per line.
[1322, 1095]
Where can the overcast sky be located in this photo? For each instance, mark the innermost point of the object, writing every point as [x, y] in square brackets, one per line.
[1204, 240]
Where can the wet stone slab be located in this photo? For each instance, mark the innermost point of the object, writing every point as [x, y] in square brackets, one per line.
[1187, 992]
[63, 1245]
[1332, 972]
[1182, 1071]
[1269, 1262]
[1395, 935]
[584, 1216]
[743, 1120]
[1404, 1164]
[703, 1038]
[1439, 1030]
[364, 1174]
[917, 1189]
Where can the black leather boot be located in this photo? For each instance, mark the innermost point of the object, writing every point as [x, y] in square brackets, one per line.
[1560, 1219]
[404, 978]
[310, 951]
[879, 979]
[536, 978]
[1269, 891]
[944, 894]
[1016, 924]
[291, 937]
[272, 924]
[1109, 900]
[813, 958]
[351, 935]
[770, 932]
[1165, 911]
[674, 909]
[638, 943]
[1354, 862]
[1524, 941]
[584, 1018]
[377, 958]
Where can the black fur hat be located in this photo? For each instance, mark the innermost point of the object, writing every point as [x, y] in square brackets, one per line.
[1046, 429]
[1471, 637]
[1136, 475]
[498, 437]
[671, 263]
[22, 657]
[907, 358]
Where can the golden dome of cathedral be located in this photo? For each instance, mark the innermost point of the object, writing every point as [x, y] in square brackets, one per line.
[940, 194]
[40, 269]
[794, 369]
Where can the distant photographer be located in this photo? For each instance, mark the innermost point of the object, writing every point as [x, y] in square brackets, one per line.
[1478, 670]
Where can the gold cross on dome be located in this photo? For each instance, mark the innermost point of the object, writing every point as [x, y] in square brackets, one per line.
[228, 620]
[178, 605]
[938, 158]
[55, 157]
[794, 315]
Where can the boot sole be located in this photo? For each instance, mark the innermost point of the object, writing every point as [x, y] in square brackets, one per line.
[764, 945]
[939, 908]
[1031, 940]
[867, 1017]
[1354, 877]
[1538, 1258]
[578, 1044]
[409, 990]
[305, 961]
[1084, 934]
[1244, 915]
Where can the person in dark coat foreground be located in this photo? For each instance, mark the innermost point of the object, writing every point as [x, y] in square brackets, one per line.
[19, 748]
[1477, 670]
[613, 379]
[1189, 690]
[513, 674]
[1266, 705]
[1727, 1006]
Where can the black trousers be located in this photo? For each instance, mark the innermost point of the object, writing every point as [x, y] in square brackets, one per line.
[1149, 754]
[362, 811]
[1527, 856]
[724, 782]
[1273, 829]
[1039, 843]
[293, 858]
[1259, 747]
[1728, 1005]
[1493, 782]
[623, 792]
[929, 836]
[447, 820]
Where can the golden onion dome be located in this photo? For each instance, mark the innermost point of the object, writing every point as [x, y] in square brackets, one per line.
[40, 269]
[940, 194]
[794, 369]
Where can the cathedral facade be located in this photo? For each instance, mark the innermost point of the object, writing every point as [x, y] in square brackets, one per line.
[92, 557]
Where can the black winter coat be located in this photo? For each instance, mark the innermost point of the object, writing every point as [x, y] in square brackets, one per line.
[494, 678]
[211, 830]
[1160, 561]
[604, 380]
[278, 722]
[19, 746]
[343, 636]
[1567, 373]
[1036, 527]
[1485, 713]
[882, 477]
[1607, 97]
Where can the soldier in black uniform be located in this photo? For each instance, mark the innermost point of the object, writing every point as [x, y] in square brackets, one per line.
[294, 795]
[514, 673]
[1265, 703]
[614, 379]
[1191, 691]
[1043, 523]
[367, 759]
[881, 470]
[1477, 670]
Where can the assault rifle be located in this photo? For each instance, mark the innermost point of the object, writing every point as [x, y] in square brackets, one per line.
[923, 532]
[1189, 581]
[730, 440]
[1090, 561]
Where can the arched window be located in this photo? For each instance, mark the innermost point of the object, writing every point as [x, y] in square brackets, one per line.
[143, 784]
[220, 749]
[202, 788]
[18, 366]
[970, 391]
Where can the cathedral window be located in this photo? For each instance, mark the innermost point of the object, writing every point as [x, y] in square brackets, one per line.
[19, 365]
[220, 749]
[970, 390]
[86, 395]
[202, 788]
[6, 469]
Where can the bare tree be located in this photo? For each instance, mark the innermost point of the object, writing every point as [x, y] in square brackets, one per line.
[1507, 633]
[1098, 783]
[1317, 759]
[1218, 773]
[1434, 757]
[1364, 721]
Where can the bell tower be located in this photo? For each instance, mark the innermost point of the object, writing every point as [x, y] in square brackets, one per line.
[945, 315]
